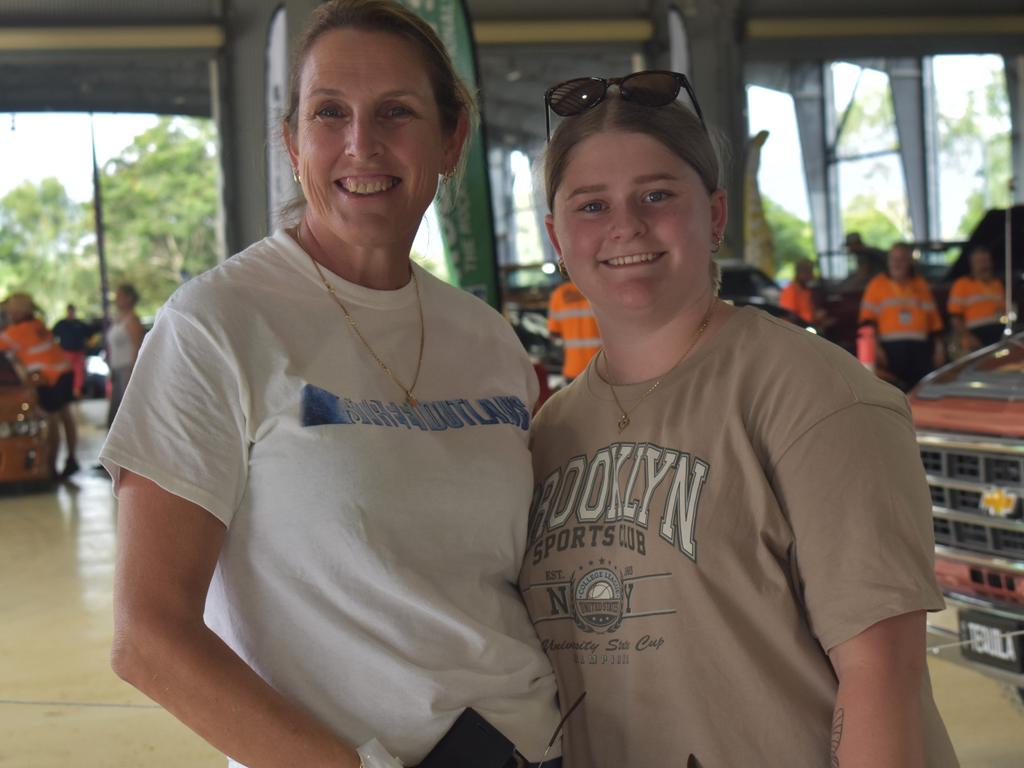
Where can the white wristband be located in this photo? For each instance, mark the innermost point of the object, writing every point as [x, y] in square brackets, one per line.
[373, 755]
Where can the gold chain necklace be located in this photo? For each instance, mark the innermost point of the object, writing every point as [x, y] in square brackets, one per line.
[624, 419]
[410, 396]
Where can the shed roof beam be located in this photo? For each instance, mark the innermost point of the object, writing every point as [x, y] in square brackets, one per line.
[192, 36]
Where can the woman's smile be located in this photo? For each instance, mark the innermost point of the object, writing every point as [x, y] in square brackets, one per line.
[633, 259]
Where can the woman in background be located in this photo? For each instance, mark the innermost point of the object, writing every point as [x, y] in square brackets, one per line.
[124, 339]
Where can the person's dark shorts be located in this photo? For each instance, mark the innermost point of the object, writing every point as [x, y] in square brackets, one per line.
[52, 399]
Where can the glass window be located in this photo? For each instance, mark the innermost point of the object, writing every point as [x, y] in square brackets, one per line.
[973, 136]
[872, 189]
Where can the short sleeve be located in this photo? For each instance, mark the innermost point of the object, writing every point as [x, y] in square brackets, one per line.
[854, 491]
[955, 305]
[182, 421]
[869, 303]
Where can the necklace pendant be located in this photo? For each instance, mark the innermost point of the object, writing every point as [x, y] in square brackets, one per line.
[410, 398]
[623, 422]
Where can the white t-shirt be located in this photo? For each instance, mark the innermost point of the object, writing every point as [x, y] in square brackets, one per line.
[120, 344]
[372, 551]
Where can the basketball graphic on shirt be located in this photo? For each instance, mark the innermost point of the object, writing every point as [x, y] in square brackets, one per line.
[597, 604]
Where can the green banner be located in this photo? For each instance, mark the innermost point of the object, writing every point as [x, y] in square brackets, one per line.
[467, 223]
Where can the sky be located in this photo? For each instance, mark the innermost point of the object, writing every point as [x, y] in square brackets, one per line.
[38, 145]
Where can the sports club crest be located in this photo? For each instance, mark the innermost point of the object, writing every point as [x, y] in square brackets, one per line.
[598, 600]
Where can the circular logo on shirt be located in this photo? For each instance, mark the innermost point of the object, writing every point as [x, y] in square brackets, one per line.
[597, 601]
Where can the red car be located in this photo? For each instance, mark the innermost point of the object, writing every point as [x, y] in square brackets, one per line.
[970, 428]
[25, 451]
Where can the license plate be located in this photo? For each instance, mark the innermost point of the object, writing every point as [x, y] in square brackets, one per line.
[985, 640]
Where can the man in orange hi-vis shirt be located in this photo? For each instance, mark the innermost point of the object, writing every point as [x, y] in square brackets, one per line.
[901, 306]
[798, 297]
[38, 352]
[977, 303]
[571, 318]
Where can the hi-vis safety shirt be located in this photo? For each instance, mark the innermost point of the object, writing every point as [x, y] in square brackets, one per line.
[36, 349]
[570, 316]
[798, 300]
[978, 302]
[900, 311]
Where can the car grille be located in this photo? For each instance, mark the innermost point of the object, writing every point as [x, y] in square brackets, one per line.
[961, 474]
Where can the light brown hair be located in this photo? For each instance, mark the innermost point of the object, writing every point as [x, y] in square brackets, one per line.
[675, 126]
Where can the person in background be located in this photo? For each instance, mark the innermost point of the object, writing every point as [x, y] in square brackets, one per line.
[977, 303]
[73, 335]
[124, 339]
[38, 352]
[870, 261]
[731, 546]
[571, 319]
[798, 297]
[322, 459]
[908, 327]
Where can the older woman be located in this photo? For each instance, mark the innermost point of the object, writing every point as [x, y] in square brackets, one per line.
[730, 540]
[325, 448]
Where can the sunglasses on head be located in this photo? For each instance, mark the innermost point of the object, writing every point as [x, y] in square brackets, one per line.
[651, 88]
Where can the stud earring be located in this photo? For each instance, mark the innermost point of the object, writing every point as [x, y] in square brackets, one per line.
[562, 270]
[717, 245]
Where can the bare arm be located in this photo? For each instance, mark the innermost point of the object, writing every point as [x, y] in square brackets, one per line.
[135, 332]
[167, 548]
[877, 721]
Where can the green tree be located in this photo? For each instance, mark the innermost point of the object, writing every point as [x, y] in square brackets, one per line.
[878, 227]
[160, 200]
[792, 237]
[46, 249]
[976, 142]
[869, 121]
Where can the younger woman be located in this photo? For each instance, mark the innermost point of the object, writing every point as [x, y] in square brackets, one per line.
[730, 541]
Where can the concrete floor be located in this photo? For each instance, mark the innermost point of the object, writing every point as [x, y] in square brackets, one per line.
[60, 706]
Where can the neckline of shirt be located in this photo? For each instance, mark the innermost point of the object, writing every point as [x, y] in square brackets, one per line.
[599, 388]
[347, 291]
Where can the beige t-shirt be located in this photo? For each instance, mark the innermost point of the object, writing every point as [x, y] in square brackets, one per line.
[766, 503]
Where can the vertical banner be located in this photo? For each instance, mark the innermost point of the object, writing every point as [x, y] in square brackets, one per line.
[465, 215]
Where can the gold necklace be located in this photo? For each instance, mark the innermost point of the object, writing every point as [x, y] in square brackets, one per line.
[410, 396]
[624, 419]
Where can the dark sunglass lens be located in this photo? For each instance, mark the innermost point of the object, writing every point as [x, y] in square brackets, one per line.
[576, 96]
[652, 89]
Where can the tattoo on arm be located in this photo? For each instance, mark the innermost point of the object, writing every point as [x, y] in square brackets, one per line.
[837, 736]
